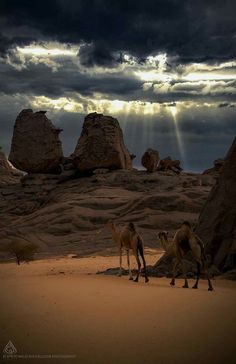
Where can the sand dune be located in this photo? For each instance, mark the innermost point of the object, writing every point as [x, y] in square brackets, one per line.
[60, 307]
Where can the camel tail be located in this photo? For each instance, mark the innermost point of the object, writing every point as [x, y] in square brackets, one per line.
[203, 253]
[140, 250]
[140, 247]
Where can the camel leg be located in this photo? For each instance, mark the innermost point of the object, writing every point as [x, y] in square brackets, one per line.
[120, 272]
[128, 262]
[199, 264]
[210, 287]
[139, 267]
[144, 266]
[185, 275]
[176, 263]
[195, 286]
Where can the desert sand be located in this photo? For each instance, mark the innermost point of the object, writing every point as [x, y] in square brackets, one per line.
[60, 307]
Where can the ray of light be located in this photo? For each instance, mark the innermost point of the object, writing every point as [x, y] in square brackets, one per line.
[174, 112]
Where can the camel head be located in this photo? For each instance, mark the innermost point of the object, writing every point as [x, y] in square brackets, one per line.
[111, 224]
[131, 226]
[186, 225]
[163, 237]
[186, 229]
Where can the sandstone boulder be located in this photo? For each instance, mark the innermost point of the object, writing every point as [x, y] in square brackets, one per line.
[169, 164]
[101, 145]
[5, 166]
[150, 160]
[35, 147]
[217, 222]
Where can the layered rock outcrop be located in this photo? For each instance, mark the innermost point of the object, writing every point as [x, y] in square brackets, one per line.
[169, 164]
[217, 221]
[101, 145]
[150, 160]
[218, 164]
[36, 147]
[216, 225]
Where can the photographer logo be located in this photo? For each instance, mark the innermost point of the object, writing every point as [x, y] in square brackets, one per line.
[9, 348]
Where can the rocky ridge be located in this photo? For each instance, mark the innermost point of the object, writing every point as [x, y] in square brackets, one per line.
[70, 215]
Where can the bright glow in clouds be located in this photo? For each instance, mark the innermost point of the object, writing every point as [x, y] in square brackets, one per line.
[85, 105]
[157, 61]
[151, 76]
[153, 70]
[49, 50]
[208, 76]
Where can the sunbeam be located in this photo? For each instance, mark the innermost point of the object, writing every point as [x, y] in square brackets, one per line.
[174, 112]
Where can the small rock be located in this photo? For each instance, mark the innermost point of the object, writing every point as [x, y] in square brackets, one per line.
[101, 171]
[150, 160]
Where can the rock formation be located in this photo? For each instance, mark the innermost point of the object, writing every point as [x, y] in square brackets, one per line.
[35, 147]
[169, 164]
[217, 221]
[216, 225]
[5, 166]
[150, 160]
[218, 164]
[101, 145]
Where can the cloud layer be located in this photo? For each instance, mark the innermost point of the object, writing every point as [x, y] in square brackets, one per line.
[165, 68]
[195, 31]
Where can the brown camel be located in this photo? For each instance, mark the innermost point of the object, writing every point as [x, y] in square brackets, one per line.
[185, 240]
[128, 239]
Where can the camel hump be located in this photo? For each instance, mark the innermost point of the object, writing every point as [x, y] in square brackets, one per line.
[187, 223]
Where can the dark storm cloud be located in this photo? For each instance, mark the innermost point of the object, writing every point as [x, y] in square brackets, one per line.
[201, 30]
[91, 55]
[225, 104]
[40, 80]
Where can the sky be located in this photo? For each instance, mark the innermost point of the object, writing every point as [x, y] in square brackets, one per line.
[166, 69]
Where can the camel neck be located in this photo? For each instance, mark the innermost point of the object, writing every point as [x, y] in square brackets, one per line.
[165, 243]
[114, 230]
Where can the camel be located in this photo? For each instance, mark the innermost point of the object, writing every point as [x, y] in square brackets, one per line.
[128, 239]
[185, 240]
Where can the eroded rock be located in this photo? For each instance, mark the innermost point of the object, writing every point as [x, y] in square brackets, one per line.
[150, 160]
[218, 164]
[101, 145]
[168, 164]
[35, 147]
[217, 222]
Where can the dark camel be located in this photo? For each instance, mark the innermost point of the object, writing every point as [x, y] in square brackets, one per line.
[186, 240]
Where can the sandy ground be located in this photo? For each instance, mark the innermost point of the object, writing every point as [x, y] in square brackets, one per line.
[59, 307]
